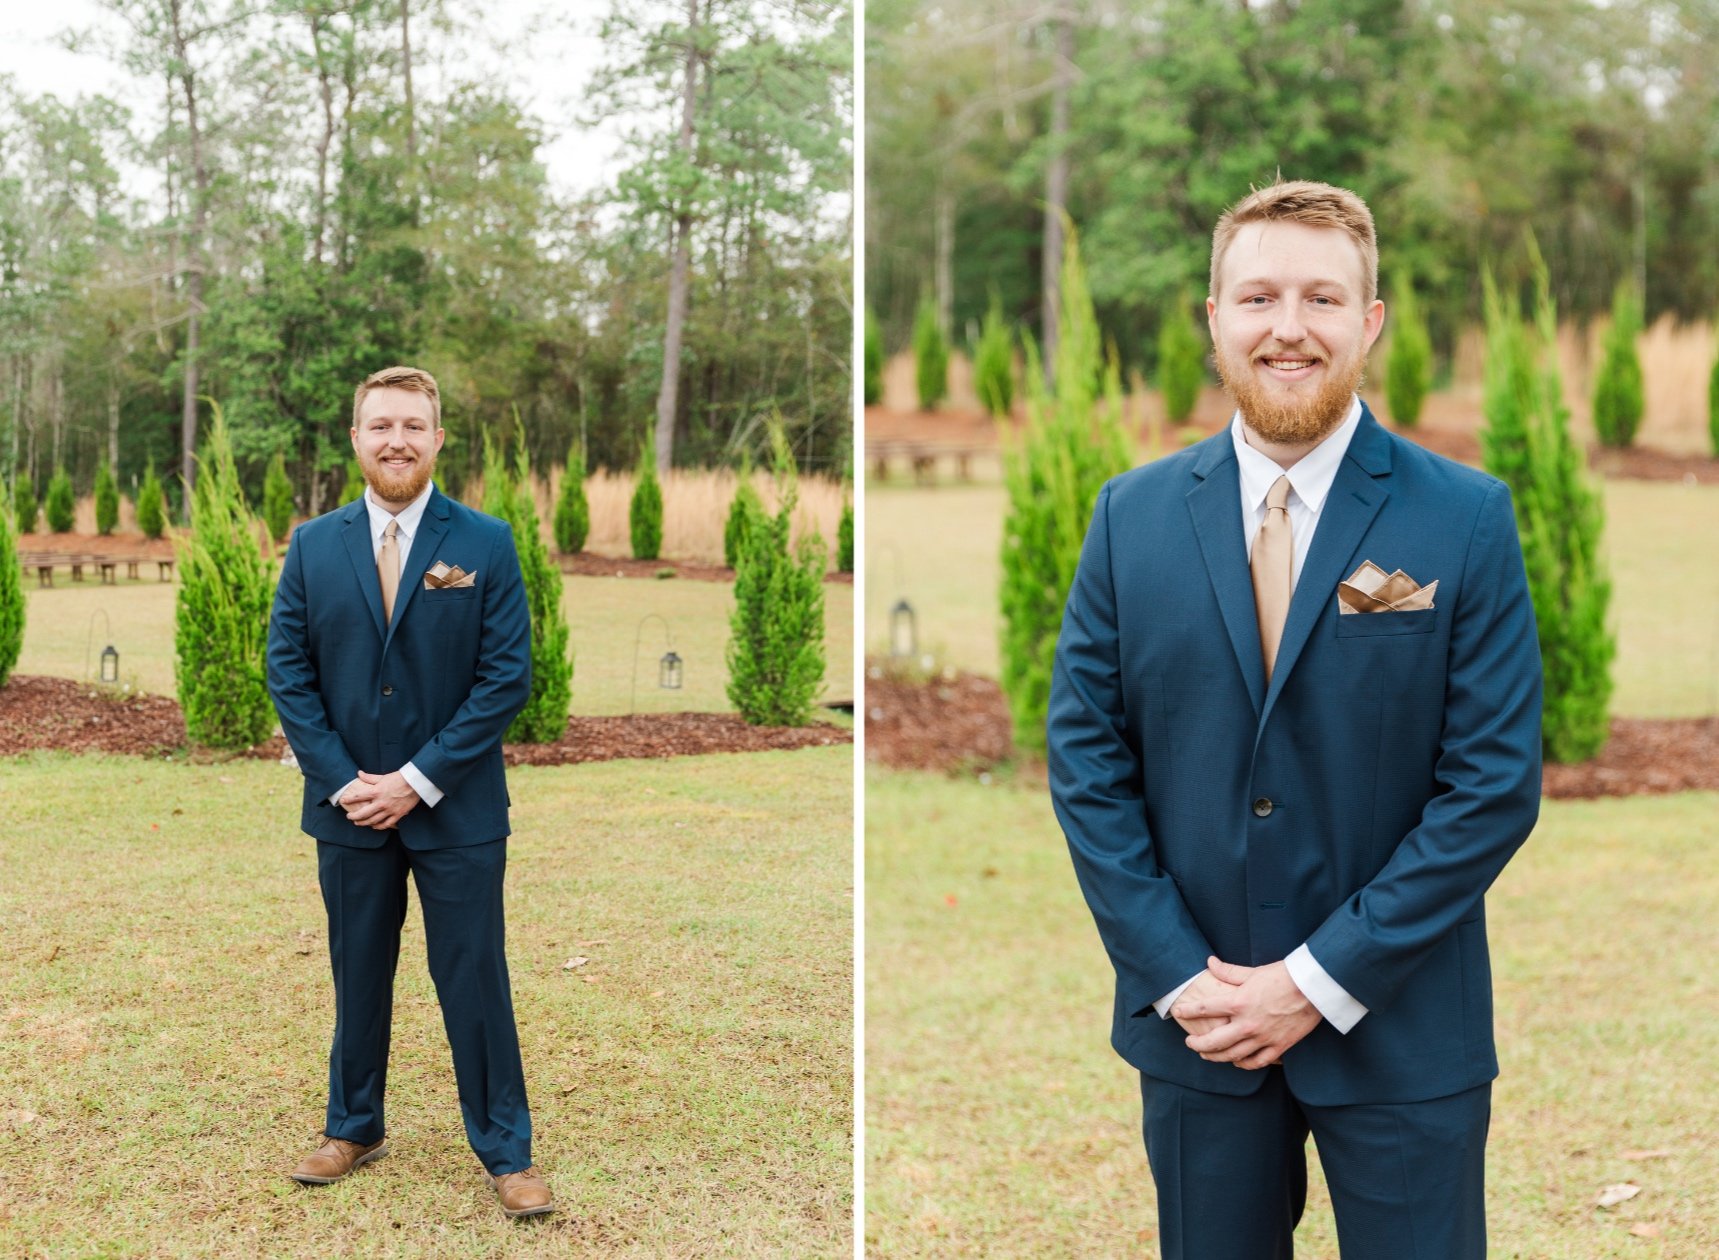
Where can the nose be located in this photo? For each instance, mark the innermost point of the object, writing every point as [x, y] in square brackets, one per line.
[1287, 327]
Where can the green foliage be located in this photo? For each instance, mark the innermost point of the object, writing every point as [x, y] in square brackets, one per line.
[845, 539]
[222, 610]
[353, 490]
[994, 361]
[1408, 368]
[60, 507]
[11, 599]
[1618, 397]
[1559, 516]
[645, 513]
[873, 360]
[744, 510]
[1072, 444]
[24, 507]
[277, 499]
[507, 494]
[930, 355]
[776, 641]
[572, 511]
[106, 500]
[151, 505]
[1713, 408]
[1181, 361]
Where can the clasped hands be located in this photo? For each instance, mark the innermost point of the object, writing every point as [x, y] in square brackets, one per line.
[1248, 1016]
[378, 800]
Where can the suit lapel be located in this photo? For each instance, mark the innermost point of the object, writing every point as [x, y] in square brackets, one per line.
[1215, 504]
[363, 553]
[432, 528]
[1360, 490]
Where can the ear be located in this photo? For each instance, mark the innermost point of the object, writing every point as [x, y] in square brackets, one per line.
[441, 436]
[1211, 317]
[1373, 322]
[354, 432]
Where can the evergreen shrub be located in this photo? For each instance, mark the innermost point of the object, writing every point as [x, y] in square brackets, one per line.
[277, 499]
[507, 494]
[1618, 397]
[11, 598]
[106, 500]
[645, 513]
[1181, 362]
[873, 360]
[1408, 367]
[61, 506]
[572, 511]
[151, 505]
[994, 361]
[845, 539]
[930, 355]
[24, 506]
[743, 510]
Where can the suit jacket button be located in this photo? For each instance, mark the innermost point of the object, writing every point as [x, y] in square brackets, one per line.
[1262, 807]
[388, 691]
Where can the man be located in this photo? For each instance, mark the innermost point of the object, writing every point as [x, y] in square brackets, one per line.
[399, 651]
[1294, 736]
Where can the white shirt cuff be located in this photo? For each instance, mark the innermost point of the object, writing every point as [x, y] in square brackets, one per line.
[335, 799]
[1163, 1004]
[427, 791]
[1329, 998]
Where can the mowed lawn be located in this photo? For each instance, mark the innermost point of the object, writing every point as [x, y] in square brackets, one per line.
[938, 548]
[166, 1007]
[67, 626]
[1000, 1123]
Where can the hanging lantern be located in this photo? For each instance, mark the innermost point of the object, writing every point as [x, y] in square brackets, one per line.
[668, 671]
[903, 631]
[109, 664]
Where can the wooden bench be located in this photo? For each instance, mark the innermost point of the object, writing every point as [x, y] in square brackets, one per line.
[45, 562]
[921, 458]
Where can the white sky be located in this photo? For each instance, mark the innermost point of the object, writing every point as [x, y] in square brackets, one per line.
[550, 72]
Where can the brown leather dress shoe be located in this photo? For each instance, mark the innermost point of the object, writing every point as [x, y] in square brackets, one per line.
[523, 1193]
[336, 1158]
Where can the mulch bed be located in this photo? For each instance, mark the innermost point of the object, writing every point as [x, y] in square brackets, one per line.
[959, 723]
[38, 713]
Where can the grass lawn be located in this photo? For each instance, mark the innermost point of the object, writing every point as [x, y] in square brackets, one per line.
[939, 546]
[1001, 1124]
[165, 1011]
[604, 614]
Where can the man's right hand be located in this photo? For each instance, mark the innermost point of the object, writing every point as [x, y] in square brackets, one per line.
[1202, 986]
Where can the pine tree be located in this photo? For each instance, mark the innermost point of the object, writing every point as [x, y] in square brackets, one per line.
[845, 539]
[11, 598]
[151, 505]
[24, 506]
[873, 360]
[1072, 444]
[994, 361]
[930, 355]
[572, 511]
[1408, 368]
[744, 509]
[776, 632]
[61, 506]
[106, 500]
[1559, 516]
[1181, 362]
[645, 514]
[1618, 399]
[222, 616]
[277, 499]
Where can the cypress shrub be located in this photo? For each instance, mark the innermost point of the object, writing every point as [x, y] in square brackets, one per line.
[106, 500]
[1559, 517]
[507, 494]
[994, 361]
[24, 506]
[845, 539]
[1618, 398]
[11, 599]
[353, 490]
[776, 632]
[744, 509]
[61, 506]
[277, 499]
[930, 355]
[873, 360]
[572, 511]
[1408, 367]
[645, 513]
[151, 505]
[222, 617]
[1072, 444]
[1181, 362]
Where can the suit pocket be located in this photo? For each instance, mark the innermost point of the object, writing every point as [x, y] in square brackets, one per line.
[1372, 625]
[448, 594]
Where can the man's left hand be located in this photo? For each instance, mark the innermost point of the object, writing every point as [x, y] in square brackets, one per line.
[380, 800]
[1266, 1014]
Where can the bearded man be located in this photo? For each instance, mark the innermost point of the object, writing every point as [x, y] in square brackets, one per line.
[399, 651]
[1294, 737]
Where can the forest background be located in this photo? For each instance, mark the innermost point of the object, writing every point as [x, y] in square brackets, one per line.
[331, 186]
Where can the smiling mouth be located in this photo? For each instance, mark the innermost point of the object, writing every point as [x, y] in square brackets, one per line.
[1288, 365]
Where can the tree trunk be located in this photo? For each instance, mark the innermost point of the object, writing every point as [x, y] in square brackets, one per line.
[943, 269]
[326, 90]
[193, 258]
[113, 424]
[1056, 198]
[406, 74]
[675, 319]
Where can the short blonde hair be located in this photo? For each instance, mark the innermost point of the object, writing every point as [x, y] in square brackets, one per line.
[414, 379]
[1302, 201]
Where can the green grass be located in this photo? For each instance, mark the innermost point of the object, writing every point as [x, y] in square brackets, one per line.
[165, 1010]
[1000, 1124]
[939, 546]
[604, 614]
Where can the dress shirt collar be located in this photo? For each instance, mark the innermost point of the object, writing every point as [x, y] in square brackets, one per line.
[1313, 474]
[409, 516]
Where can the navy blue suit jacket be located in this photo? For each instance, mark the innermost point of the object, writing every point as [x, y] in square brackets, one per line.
[436, 686]
[1399, 751]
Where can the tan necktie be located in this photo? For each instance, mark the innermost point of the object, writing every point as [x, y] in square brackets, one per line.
[388, 568]
[1273, 572]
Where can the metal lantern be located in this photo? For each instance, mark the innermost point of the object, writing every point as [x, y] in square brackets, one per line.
[670, 668]
[668, 671]
[109, 664]
[903, 631]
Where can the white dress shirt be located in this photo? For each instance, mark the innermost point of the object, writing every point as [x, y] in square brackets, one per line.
[1310, 482]
[408, 519]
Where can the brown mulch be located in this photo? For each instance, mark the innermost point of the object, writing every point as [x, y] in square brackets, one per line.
[959, 723]
[588, 564]
[40, 713]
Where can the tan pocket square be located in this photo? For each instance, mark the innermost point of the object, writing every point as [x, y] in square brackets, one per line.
[440, 576]
[1369, 589]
